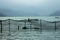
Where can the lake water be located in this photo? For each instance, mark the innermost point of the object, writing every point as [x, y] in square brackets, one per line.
[47, 33]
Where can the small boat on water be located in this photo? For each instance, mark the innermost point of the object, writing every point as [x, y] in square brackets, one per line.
[24, 28]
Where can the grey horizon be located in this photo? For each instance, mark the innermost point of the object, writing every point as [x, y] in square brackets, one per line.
[26, 8]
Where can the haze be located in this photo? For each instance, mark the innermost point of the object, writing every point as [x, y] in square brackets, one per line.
[29, 7]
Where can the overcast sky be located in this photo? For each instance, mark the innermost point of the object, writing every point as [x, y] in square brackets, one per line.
[33, 7]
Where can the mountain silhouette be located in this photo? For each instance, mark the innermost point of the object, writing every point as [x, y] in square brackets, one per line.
[57, 13]
[10, 12]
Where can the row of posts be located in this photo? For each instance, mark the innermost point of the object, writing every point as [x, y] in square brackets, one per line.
[25, 25]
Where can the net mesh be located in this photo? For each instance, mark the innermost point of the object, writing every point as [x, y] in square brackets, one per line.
[16, 25]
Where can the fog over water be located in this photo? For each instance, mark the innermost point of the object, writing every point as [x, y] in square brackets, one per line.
[29, 7]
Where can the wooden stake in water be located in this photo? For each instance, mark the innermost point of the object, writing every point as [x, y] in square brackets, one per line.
[55, 26]
[30, 24]
[9, 26]
[25, 23]
[40, 25]
[18, 27]
[29, 20]
[1, 25]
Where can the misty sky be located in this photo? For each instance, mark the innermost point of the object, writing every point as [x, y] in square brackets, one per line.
[30, 7]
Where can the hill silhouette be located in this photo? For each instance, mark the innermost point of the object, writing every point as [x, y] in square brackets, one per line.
[10, 12]
[57, 13]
